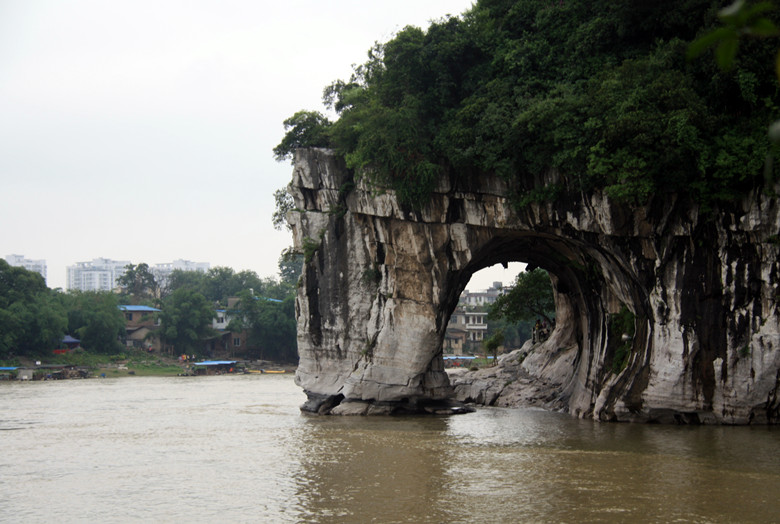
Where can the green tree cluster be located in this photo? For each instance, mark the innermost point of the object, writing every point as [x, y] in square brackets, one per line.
[95, 319]
[32, 319]
[530, 297]
[270, 325]
[513, 333]
[220, 283]
[599, 92]
[139, 284]
[189, 307]
[185, 321]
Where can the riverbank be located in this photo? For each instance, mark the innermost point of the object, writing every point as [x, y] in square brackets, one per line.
[82, 364]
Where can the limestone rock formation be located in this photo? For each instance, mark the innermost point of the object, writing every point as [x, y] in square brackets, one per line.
[506, 384]
[381, 280]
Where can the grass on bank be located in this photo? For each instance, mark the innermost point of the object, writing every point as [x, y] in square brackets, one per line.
[131, 362]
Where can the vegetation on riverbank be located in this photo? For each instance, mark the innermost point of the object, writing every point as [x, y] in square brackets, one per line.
[35, 319]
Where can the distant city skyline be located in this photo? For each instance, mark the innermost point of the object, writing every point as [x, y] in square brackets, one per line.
[101, 274]
[77, 275]
[482, 280]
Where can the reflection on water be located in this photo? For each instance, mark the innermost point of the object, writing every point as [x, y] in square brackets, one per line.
[236, 448]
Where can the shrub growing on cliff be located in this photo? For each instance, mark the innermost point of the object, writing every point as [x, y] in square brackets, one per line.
[621, 334]
[303, 129]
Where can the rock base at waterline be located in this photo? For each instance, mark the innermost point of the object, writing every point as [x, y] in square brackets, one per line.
[336, 405]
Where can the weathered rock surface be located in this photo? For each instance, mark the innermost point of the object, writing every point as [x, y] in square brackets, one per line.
[380, 282]
[506, 385]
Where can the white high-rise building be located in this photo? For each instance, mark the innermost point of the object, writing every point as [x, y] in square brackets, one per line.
[184, 265]
[39, 266]
[98, 275]
[162, 272]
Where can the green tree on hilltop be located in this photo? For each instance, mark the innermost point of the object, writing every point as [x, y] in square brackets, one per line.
[303, 129]
[598, 92]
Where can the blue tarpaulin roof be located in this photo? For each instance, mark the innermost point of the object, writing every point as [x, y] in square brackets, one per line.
[215, 362]
[147, 309]
[7, 368]
[69, 340]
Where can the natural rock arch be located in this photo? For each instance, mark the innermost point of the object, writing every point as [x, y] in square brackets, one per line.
[380, 282]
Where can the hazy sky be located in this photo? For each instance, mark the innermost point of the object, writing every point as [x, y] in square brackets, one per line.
[142, 130]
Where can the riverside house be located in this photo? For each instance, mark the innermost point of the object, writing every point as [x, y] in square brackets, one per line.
[141, 323]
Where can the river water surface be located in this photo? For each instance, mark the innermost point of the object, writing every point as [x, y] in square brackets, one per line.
[237, 449]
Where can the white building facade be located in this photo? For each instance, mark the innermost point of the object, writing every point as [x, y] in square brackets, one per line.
[465, 331]
[482, 298]
[98, 275]
[38, 266]
[183, 265]
[163, 271]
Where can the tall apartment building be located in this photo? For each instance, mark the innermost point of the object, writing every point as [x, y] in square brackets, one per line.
[161, 272]
[183, 265]
[98, 275]
[39, 266]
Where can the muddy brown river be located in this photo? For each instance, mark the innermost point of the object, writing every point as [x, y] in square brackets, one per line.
[237, 449]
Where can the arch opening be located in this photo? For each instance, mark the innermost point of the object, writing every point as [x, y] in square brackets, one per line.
[591, 293]
[471, 326]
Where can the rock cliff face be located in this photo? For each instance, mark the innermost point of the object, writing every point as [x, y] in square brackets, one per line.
[380, 282]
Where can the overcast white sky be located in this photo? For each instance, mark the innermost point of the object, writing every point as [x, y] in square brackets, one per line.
[142, 130]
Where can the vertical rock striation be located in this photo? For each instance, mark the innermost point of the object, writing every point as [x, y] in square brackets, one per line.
[380, 282]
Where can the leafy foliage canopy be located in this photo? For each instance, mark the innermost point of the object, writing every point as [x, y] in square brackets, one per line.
[32, 319]
[599, 92]
[530, 297]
